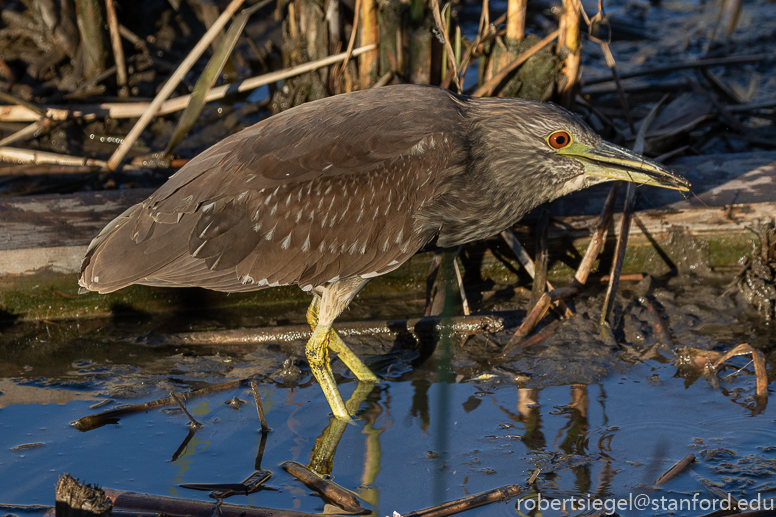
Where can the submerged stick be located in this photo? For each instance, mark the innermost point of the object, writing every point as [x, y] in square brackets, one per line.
[504, 493]
[87, 423]
[479, 324]
[178, 400]
[159, 504]
[259, 406]
[340, 496]
[675, 470]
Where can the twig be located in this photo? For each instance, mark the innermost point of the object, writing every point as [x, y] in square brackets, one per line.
[675, 470]
[171, 84]
[654, 316]
[700, 63]
[443, 32]
[136, 109]
[349, 52]
[627, 213]
[616, 76]
[542, 255]
[433, 272]
[478, 324]
[619, 254]
[178, 400]
[464, 300]
[118, 50]
[87, 423]
[259, 407]
[597, 242]
[503, 493]
[339, 495]
[487, 89]
[522, 256]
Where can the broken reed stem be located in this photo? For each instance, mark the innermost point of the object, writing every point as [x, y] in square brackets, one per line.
[259, 406]
[118, 50]
[677, 468]
[17, 155]
[487, 89]
[171, 84]
[459, 277]
[137, 109]
[339, 495]
[525, 260]
[570, 41]
[90, 422]
[597, 242]
[504, 493]
[178, 400]
[370, 35]
[516, 10]
[537, 313]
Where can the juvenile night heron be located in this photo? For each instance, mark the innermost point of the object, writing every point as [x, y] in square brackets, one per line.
[335, 192]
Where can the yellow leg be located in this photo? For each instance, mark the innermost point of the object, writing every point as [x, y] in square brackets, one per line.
[318, 356]
[351, 360]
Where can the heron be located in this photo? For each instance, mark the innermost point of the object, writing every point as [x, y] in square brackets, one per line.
[333, 193]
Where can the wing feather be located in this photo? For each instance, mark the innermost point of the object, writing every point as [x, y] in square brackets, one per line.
[330, 189]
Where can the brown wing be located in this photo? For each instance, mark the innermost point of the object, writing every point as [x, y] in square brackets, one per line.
[325, 191]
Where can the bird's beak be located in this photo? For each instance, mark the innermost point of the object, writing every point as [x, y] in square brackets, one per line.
[611, 161]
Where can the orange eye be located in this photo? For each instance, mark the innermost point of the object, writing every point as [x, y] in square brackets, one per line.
[559, 139]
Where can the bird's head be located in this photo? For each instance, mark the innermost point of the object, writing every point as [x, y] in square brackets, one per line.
[552, 149]
[579, 157]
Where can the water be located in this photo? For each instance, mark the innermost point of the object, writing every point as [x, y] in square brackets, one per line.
[598, 422]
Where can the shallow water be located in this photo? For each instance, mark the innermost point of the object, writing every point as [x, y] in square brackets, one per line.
[597, 420]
